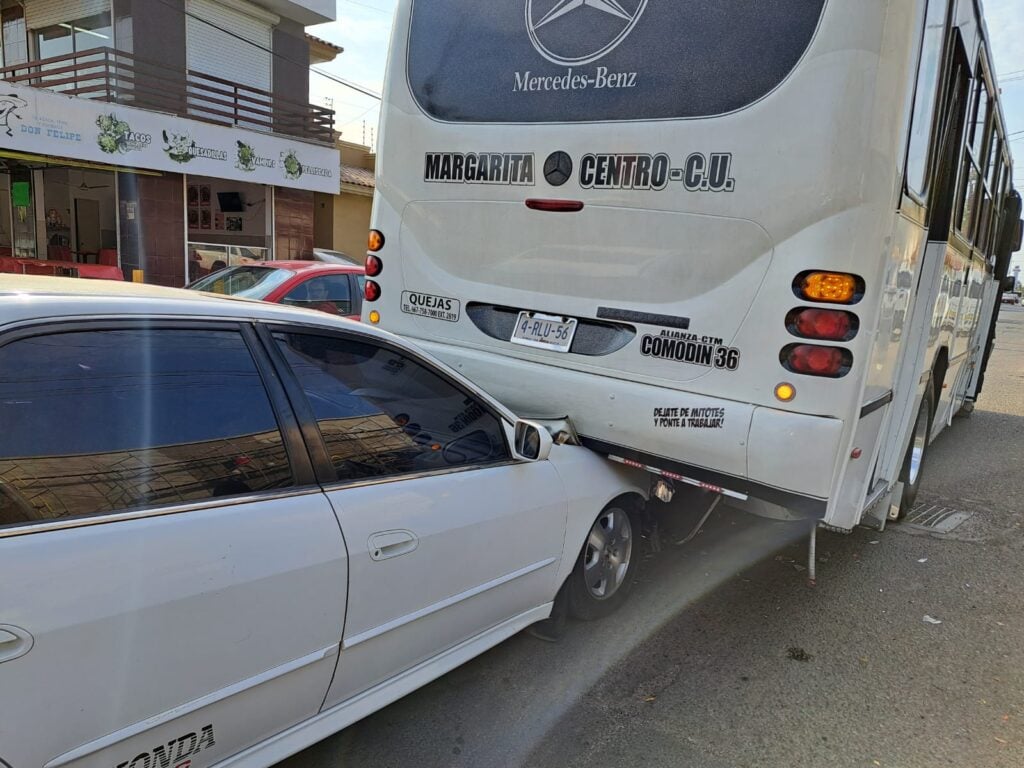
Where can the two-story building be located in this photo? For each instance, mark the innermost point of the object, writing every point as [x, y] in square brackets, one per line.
[160, 136]
[342, 220]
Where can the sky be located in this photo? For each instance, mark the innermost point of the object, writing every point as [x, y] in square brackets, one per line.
[363, 28]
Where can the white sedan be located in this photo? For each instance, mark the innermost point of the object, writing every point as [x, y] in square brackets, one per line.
[229, 529]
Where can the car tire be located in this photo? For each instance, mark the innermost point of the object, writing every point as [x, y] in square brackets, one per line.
[607, 565]
[913, 462]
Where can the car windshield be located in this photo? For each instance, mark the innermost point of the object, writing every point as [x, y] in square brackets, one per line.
[247, 282]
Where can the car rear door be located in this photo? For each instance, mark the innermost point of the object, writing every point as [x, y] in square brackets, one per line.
[172, 578]
[448, 536]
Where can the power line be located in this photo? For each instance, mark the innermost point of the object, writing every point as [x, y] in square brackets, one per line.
[348, 84]
[361, 115]
[366, 5]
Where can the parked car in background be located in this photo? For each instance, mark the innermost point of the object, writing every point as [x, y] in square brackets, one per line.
[333, 288]
[229, 529]
[1011, 298]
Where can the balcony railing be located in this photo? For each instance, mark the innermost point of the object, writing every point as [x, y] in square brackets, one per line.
[122, 78]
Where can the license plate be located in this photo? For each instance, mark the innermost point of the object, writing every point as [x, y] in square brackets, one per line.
[544, 331]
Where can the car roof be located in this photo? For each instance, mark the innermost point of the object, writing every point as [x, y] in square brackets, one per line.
[28, 297]
[34, 299]
[308, 266]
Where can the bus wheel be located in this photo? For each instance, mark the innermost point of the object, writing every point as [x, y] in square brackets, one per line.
[913, 462]
[606, 568]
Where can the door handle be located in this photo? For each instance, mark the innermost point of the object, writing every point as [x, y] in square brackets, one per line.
[14, 642]
[388, 544]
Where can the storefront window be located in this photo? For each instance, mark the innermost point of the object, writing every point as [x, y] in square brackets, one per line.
[23, 222]
[58, 214]
[228, 224]
[6, 243]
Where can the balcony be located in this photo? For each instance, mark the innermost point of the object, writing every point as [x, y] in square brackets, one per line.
[122, 78]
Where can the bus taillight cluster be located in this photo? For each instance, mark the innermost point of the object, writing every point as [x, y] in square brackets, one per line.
[374, 266]
[822, 324]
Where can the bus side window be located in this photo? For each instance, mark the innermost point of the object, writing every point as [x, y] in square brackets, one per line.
[972, 181]
[926, 96]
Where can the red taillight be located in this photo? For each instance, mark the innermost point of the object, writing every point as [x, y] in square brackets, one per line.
[555, 206]
[825, 324]
[374, 266]
[814, 360]
[372, 291]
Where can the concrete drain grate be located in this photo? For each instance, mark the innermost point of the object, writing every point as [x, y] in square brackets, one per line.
[937, 518]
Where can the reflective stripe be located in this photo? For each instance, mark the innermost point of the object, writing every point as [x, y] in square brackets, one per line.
[681, 478]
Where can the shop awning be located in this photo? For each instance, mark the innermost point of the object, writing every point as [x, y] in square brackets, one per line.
[26, 157]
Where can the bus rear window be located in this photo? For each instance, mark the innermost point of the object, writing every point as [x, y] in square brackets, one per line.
[566, 61]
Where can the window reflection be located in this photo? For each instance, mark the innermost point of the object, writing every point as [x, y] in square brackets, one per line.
[381, 413]
[330, 293]
[101, 421]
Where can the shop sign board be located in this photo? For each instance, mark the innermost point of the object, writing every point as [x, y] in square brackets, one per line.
[44, 122]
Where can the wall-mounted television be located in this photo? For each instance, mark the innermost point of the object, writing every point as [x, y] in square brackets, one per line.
[230, 202]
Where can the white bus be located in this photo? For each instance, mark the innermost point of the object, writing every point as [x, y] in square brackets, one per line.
[752, 246]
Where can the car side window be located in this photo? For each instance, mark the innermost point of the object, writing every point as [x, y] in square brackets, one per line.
[358, 283]
[327, 293]
[109, 420]
[382, 413]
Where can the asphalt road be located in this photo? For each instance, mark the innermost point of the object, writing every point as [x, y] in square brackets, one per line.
[725, 657]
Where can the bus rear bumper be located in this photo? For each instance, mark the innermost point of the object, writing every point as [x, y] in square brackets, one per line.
[781, 457]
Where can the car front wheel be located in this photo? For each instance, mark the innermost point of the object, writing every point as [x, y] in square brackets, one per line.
[606, 568]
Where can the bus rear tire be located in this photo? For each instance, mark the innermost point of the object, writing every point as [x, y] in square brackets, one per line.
[913, 462]
[606, 568]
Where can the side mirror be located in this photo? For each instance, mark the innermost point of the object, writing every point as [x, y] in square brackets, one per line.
[532, 441]
[1008, 284]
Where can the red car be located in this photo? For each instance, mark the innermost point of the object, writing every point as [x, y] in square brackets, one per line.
[333, 288]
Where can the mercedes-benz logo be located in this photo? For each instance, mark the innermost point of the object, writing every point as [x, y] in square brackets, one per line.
[572, 32]
[558, 168]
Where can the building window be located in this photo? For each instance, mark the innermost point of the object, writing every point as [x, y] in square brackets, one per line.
[75, 36]
[68, 38]
[14, 39]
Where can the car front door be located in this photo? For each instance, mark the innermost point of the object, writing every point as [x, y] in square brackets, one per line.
[447, 534]
[172, 578]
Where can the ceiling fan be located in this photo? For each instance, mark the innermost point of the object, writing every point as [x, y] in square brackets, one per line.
[83, 185]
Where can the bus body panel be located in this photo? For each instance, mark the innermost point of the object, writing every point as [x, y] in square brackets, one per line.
[807, 177]
[791, 452]
[657, 262]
